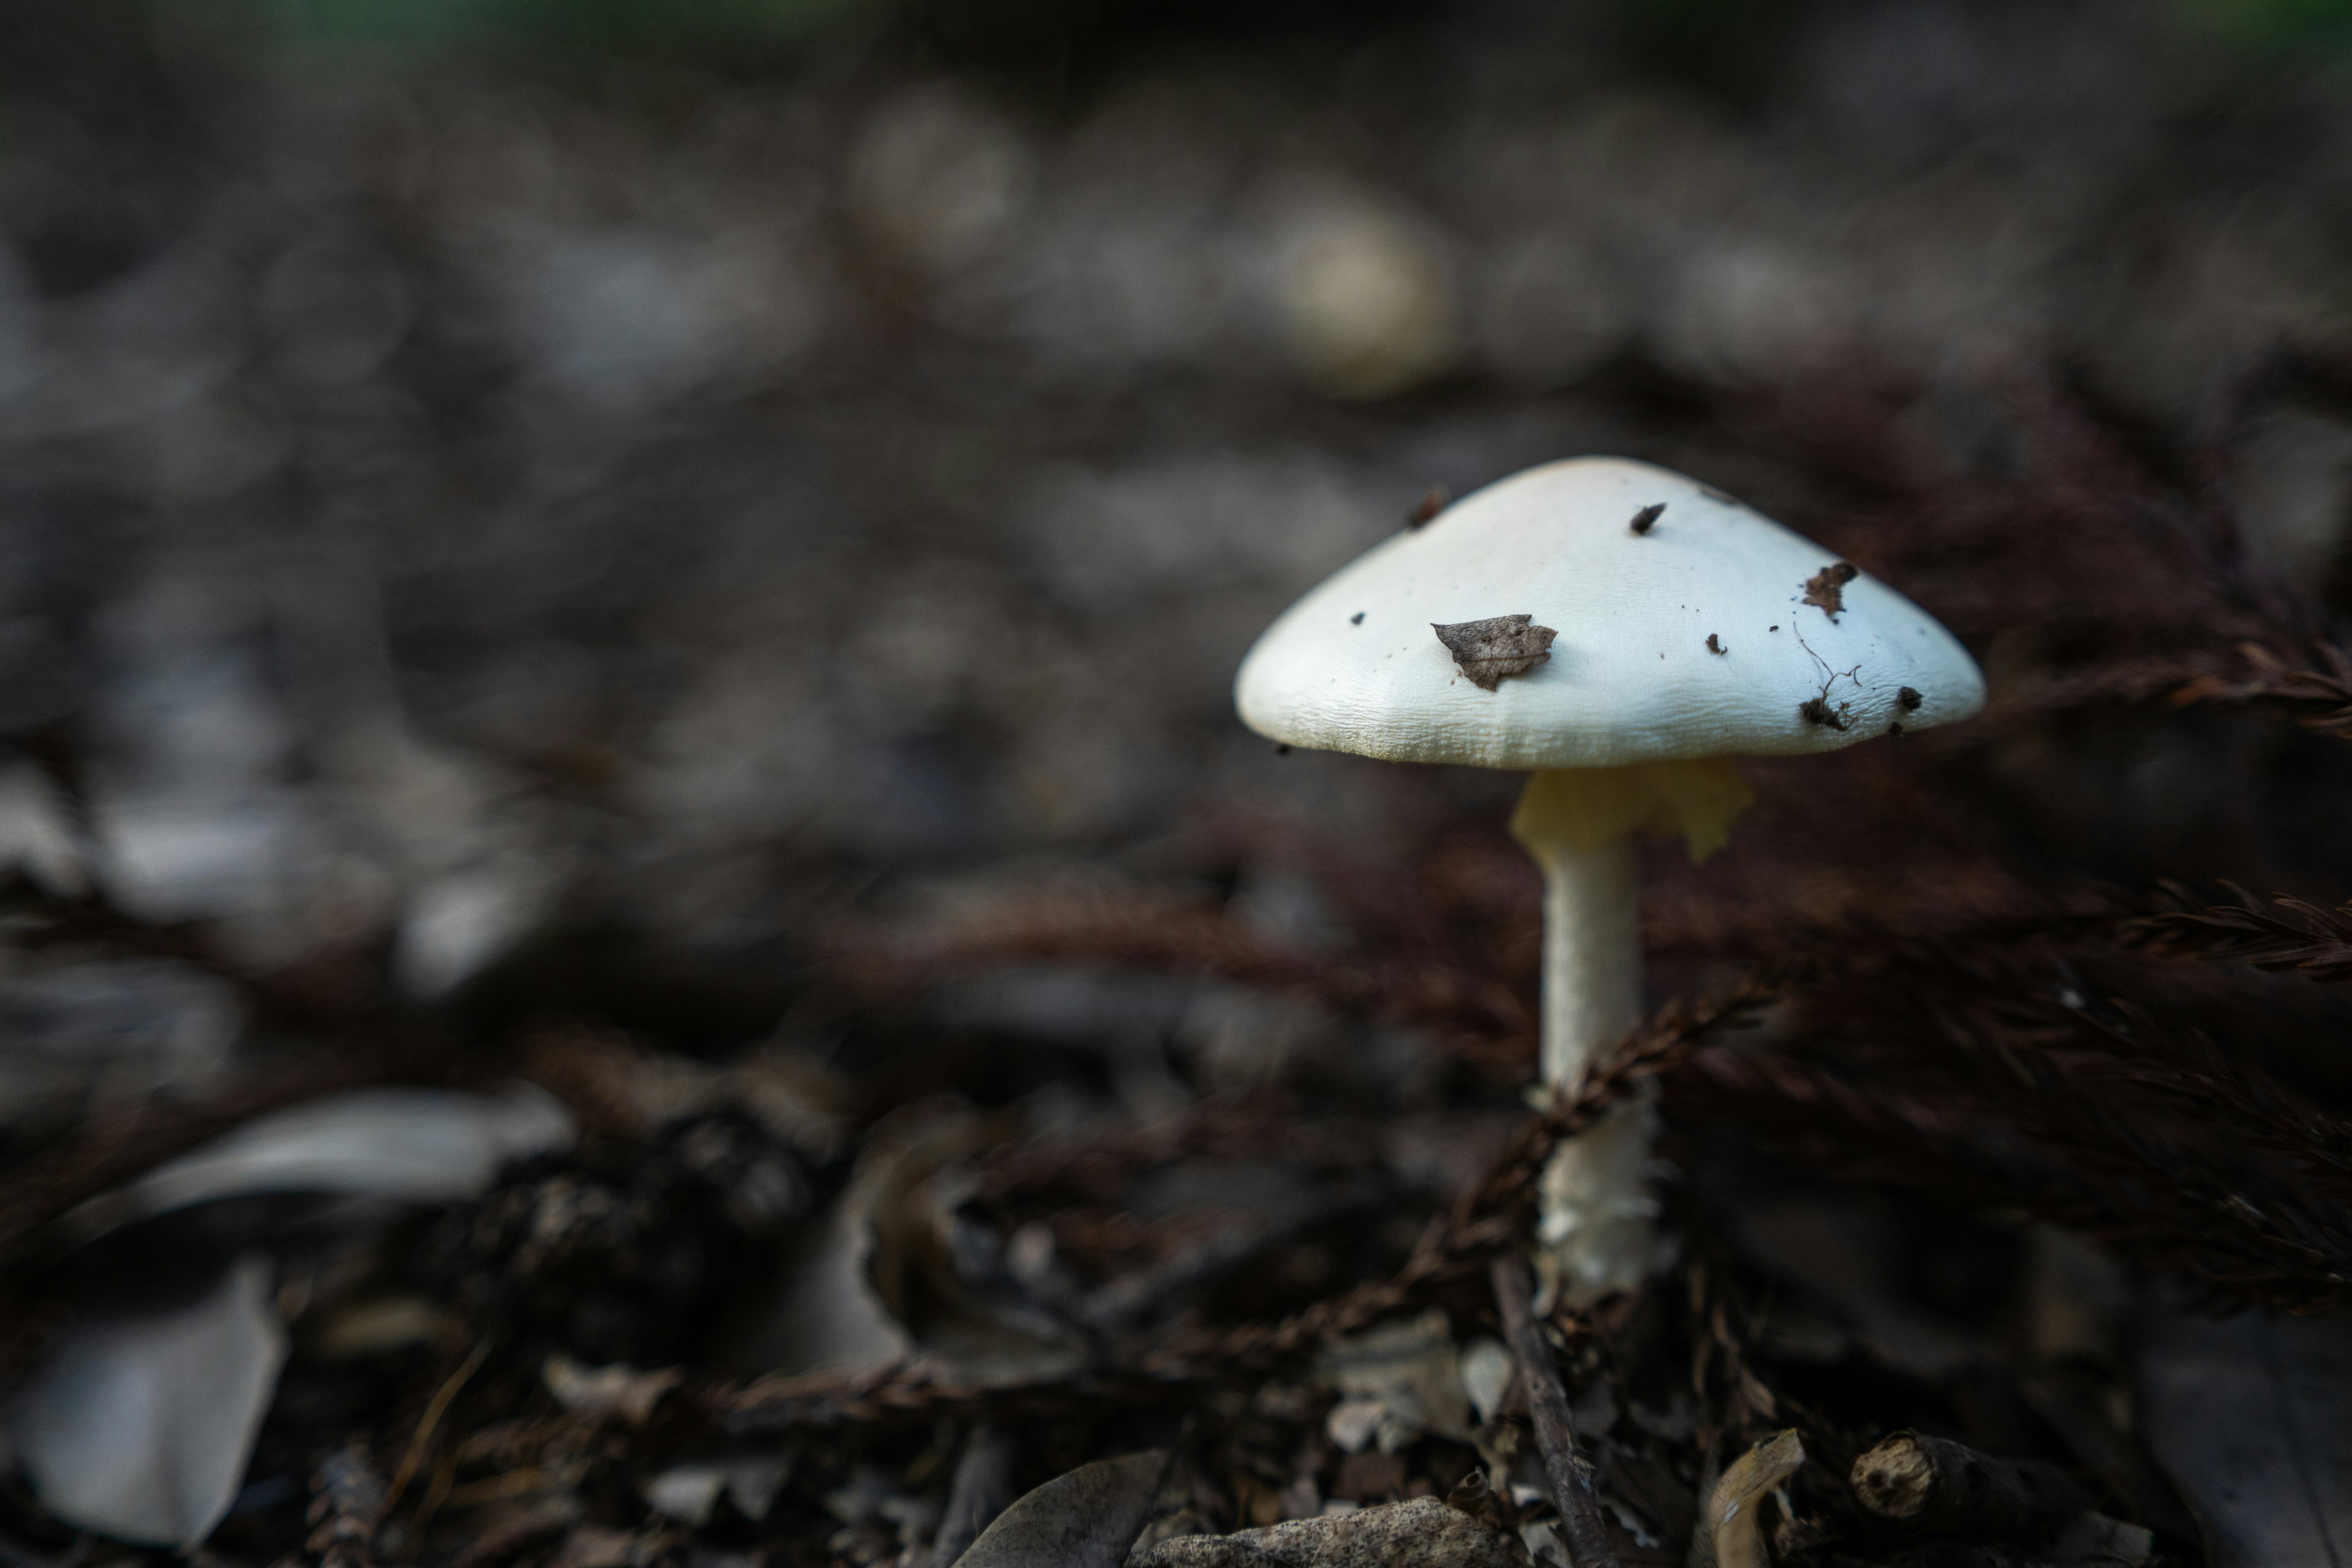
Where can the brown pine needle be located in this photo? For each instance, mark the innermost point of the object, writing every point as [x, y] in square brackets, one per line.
[435, 1409]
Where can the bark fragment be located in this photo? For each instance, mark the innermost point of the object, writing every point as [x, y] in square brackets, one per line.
[1419, 1533]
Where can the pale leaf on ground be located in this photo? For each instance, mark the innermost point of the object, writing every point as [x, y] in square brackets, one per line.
[140, 1427]
[1397, 1380]
[602, 1393]
[409, 1145]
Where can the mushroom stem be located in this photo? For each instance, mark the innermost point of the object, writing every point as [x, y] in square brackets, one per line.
[1577, 825]
[1592, 951]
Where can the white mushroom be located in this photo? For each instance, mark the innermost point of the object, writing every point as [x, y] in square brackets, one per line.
[1641, 630]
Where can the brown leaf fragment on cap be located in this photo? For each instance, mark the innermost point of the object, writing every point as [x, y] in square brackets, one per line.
[1647, 517]
[1908, 700]
[1490, 649]
[1817, 710]
[1826, 588]
[1434, 500]
[1714, 645]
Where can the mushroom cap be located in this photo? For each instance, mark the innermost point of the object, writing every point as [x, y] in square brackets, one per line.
[1355, 667]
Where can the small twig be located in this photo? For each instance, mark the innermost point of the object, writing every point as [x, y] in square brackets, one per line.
[434, 1410]
[1932, 1486]
[1568, 1471]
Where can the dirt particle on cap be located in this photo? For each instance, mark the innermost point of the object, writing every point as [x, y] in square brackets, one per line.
[1826, 588]
[1435, 500]
[1772, 628]
[1647, 517]
[1908, 700]
[1357, 619]
[1714, 645]
[1500, 645]
[1817, 710]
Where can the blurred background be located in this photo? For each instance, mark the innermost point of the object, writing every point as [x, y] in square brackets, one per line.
[488, 471]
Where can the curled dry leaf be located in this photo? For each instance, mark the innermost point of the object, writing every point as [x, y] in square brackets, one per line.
[1730, 1522]
[826, 1315]
[877, 1287]
[602, 1393]
[1826, 588]
[140, 1428]
[1488, 650]
[1086, 1518]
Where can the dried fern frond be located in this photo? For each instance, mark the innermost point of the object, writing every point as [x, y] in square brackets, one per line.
[2304, 940]
[2315, 689]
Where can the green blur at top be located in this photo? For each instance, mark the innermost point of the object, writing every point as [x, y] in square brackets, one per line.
[664, 26]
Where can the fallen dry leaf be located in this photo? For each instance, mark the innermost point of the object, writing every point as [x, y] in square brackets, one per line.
[1499, 646]
[2245, 1415]
[1086, 1518]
